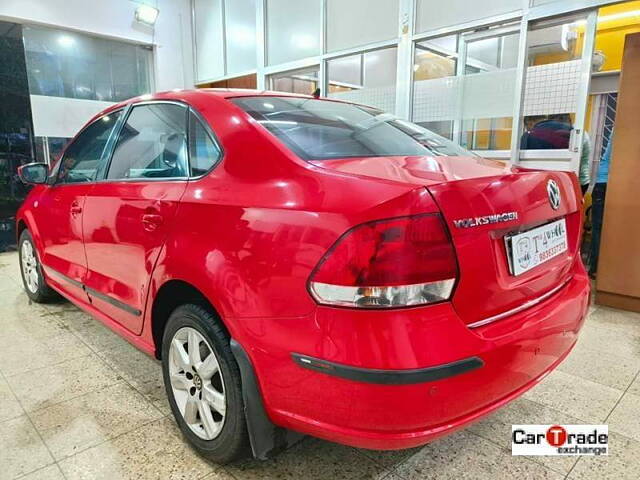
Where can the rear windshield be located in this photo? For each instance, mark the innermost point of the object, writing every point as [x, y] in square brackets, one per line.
[321, 130]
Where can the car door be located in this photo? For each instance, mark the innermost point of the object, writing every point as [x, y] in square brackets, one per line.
[58, 211]
[128, 215]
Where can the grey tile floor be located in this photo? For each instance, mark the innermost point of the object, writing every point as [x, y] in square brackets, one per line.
[78, 402]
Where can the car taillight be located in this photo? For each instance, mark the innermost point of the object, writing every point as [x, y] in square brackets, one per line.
[389, 263]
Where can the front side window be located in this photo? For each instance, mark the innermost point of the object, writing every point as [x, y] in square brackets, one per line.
[322, 130]
[83, 158]
[204, 152]
[152, 143]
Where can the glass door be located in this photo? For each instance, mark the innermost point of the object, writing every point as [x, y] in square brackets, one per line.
[555, 87]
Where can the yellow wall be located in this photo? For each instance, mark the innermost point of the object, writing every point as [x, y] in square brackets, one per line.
[611, 33]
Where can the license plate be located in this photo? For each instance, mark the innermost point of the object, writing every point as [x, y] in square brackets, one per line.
[529, 249]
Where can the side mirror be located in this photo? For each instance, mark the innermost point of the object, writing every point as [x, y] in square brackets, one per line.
[33, 173]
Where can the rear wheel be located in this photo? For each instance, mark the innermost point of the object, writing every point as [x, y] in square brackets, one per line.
[202, 381]
[31, 270]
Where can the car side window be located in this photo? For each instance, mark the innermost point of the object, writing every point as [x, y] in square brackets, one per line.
[152, 143]
[204, 152]
[83, 158]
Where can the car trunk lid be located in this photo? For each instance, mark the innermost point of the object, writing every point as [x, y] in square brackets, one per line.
[482, 201]
[480, 213]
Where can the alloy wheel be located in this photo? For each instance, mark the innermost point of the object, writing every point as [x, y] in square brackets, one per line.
[197, 383]
[29, 266]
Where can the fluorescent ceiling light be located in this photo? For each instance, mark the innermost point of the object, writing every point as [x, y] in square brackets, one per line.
[612, 17]
[147, 14]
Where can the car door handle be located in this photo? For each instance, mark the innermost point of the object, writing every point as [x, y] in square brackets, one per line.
[151, 221]
[75, 209]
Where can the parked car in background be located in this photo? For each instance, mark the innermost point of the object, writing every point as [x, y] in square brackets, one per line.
[306, 265]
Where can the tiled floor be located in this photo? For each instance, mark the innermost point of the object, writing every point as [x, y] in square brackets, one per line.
[77, 402]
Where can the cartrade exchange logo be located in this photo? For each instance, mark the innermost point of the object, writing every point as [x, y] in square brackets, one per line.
[560, 440]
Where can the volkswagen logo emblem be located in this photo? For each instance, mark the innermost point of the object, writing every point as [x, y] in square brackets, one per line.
[553, 190]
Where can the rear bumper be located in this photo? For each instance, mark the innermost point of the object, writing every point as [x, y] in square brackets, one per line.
[393, 380]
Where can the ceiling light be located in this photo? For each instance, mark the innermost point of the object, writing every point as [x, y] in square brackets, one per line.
[612, 17]
[147, 14]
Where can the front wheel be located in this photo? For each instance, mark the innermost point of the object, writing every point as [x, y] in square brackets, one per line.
[31, 270]
[203, 384]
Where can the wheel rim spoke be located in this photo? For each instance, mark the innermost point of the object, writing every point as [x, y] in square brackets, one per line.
[194, 348]
[209, 367]
[179, 356]
[209, 425]
[215, 399]
[34, 277]
[180, 382]
[191, 411]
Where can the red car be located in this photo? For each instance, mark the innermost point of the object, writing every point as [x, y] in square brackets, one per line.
[309, 266]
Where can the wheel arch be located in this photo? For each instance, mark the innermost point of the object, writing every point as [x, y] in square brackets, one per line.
[25, 221]
[171, 295]
[20, 227]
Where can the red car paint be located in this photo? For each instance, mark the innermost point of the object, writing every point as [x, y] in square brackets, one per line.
[249, 234]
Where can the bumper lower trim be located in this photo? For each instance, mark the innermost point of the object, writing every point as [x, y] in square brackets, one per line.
[389, 377]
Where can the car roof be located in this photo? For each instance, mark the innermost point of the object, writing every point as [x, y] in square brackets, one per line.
[201, 94]
[245, 92]
[189, 95]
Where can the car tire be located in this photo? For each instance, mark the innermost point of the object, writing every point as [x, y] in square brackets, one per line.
[33, 280]
[194, 392]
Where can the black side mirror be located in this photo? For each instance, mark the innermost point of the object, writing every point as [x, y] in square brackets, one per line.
[33, 173]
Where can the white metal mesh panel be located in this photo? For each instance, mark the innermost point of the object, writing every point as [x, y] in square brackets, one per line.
[552, 88]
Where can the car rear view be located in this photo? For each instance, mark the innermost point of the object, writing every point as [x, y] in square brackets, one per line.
[430, 314]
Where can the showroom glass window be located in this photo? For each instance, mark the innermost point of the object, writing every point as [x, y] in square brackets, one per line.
[304, 81]
[72, 65]
[48, 149]
[152, 143]
[82, 159]
[368, 78]
[435, 61]
[464, 85]
[293, 30]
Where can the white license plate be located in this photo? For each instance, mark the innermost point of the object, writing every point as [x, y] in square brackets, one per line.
[529, 249]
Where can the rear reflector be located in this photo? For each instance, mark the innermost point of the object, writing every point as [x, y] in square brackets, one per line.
[389, 263]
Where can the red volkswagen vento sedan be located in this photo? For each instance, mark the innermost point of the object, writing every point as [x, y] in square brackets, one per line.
[310, 266]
